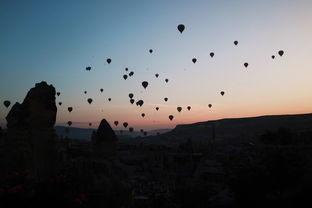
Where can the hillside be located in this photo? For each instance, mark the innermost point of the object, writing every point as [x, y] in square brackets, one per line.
[233, 128]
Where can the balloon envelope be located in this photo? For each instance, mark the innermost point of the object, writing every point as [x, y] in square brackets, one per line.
[181, 28]
[90, 100]
[170, 117]
[194, 60]
[6, 103]
[109, 60]
[144, 84]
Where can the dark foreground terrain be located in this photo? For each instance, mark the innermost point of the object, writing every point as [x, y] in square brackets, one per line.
[248, 162]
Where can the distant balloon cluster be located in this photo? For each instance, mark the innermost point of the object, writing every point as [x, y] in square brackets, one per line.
[145, 84]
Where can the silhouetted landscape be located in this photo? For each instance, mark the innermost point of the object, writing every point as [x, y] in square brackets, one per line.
[155, 104]
[241, 162]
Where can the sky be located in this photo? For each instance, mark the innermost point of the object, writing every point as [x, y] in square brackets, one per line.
[54, 41]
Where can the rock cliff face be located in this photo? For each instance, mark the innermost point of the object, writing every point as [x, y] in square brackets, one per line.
[30, 139]
[104, 141]
[38, 109]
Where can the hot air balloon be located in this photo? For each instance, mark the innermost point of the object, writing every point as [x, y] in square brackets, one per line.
[101, 90]
[211, 54]
[181, 28]
[125, 124]
[166, 80]
[141, 130]
[131, 101]
[140, 103]
[126, 69]
[281, 52]
[194, 60]
[273, 57]
[109, 99]
[156, 75]
[130, 95]
[235, 42]
[90, 124]
[131, 129]
[179, 109]
[125, 76]
[246, 64]
[85, 92]
[144, 84]
[88, 68]
[131, 74]
[69, 123]
[222, 93]
[116, 123]
[90, 100]
[109, 60]
[188, 108]
[209, 105]
[58, 93]
[70, 109]
[151, 50]
[166, 99]
[60, 103]
[157, 108]
[170, 117]
[143, 115]
[6, 103]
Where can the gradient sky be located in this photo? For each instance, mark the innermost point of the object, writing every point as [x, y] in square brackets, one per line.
[55, 40]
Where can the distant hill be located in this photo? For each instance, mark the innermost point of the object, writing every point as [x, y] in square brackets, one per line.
[232, 128]
[250, 126]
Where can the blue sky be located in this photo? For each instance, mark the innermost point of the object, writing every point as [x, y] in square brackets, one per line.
[55, 40]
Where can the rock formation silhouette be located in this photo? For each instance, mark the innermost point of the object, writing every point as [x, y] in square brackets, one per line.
[30, 138]
[104, 141]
